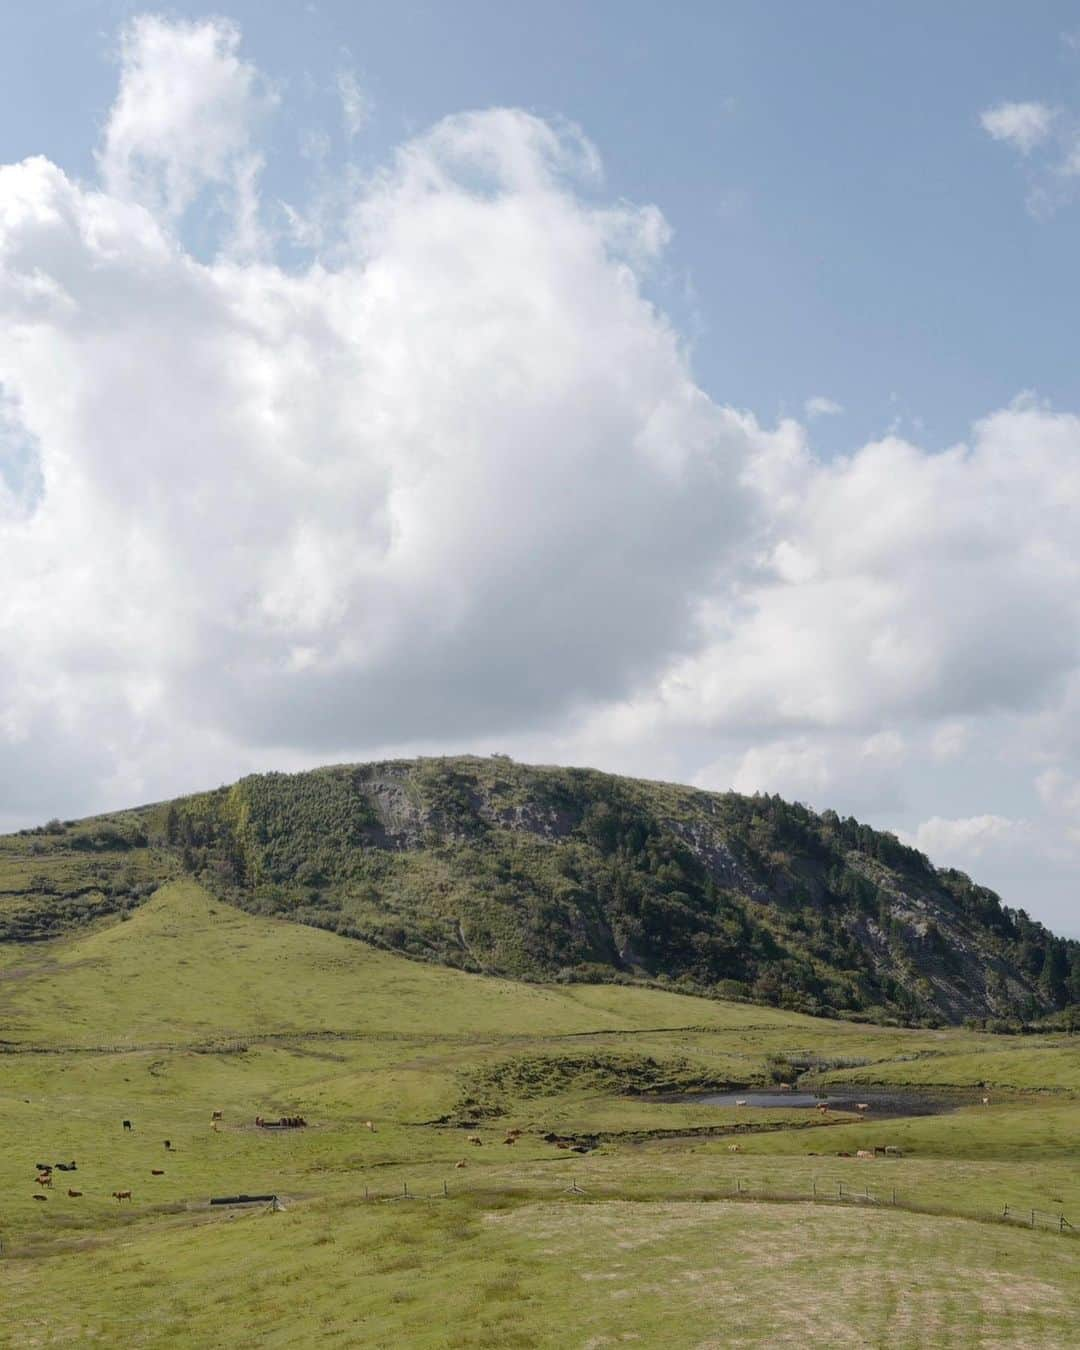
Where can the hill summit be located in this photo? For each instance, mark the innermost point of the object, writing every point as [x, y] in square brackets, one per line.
[545, 873]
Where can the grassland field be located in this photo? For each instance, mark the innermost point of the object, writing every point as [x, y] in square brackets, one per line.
[659, 1235]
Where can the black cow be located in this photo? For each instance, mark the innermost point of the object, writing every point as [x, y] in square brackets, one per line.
[127, 1125]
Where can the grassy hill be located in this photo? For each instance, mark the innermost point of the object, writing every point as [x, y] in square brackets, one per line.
[189, 1006]
[568, 875]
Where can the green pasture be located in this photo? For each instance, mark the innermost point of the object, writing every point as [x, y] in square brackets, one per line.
[660, 1232]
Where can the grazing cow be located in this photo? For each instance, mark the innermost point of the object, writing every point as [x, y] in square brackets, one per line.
[865, 1153]
[128, 1125]
[475, 1139]
[734, 1148]
[891, 1151]
[168, 1145]
[157, 1171]
[43, 1167]
[66, 1167]
[121, 1195]
[879, 1148]
[216, 1115]
[39, 1196]
[215, 1126]
[74, 1195]
[509, 1139]
[460, 1164]
[822, 1107]
[44, 1179]
[515, 1134]
[369, 1125]
[740, 1101]
[842, 1154]
[862, 1106]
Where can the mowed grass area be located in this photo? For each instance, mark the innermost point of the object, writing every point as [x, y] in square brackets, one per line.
[466, 1273]
[189, 1006]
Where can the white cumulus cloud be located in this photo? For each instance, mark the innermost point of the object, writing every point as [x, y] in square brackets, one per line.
[958, 842]
[1021, 125]
[820, 406]
[184, 119]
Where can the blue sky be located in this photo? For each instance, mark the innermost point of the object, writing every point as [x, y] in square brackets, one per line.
[692, 394]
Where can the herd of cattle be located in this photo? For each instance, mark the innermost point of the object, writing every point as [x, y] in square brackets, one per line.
[45, 1180]
[45, 1171]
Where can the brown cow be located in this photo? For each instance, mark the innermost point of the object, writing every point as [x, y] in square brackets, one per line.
[74, 1194]
[44, 1179]
[121, 1195]
[510, 1139]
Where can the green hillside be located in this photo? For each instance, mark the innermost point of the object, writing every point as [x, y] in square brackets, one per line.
[568, 875]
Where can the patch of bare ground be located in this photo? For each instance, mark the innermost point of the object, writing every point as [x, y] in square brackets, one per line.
[852, 1277]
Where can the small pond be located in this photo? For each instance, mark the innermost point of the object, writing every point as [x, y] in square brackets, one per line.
[882, 1101]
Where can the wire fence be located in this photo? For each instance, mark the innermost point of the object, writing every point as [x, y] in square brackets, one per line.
[843, 1193]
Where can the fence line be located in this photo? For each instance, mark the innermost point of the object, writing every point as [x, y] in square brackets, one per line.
[841, 1193]
[1034, 1218]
